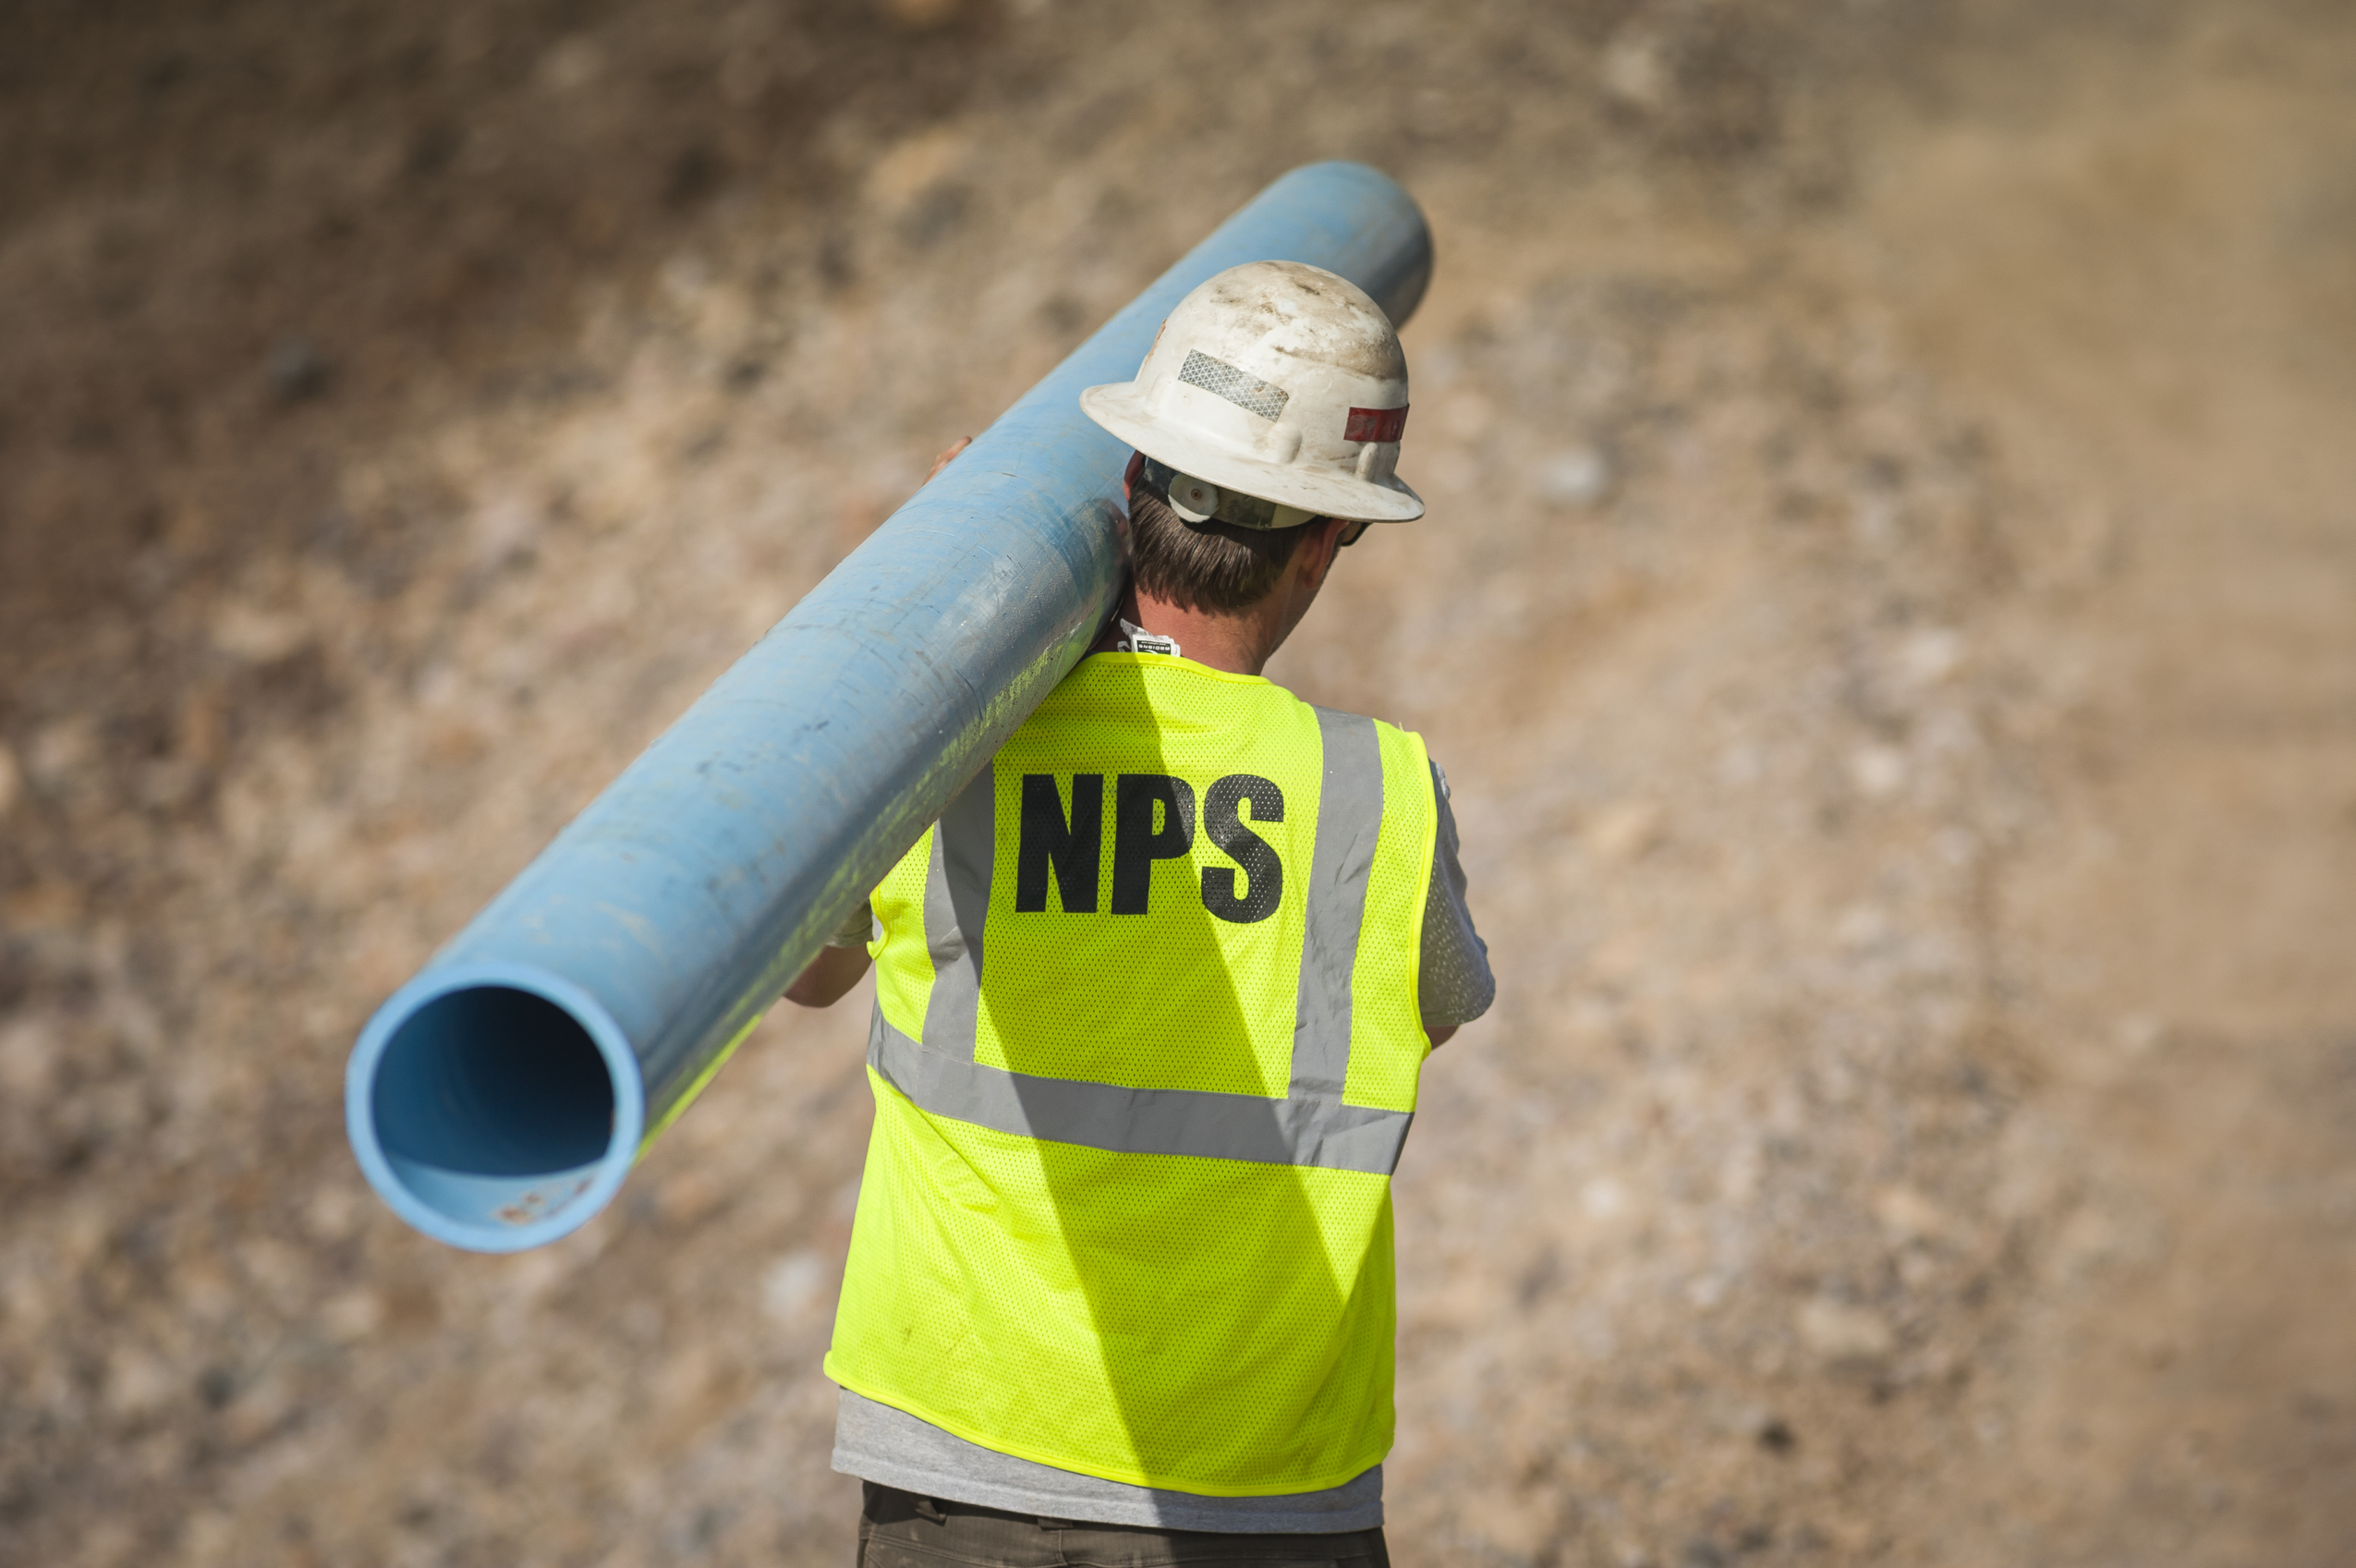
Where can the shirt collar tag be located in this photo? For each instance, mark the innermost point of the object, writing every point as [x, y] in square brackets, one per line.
[1137, 639]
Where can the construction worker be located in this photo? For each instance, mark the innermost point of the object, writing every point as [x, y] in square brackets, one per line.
[1152, 998]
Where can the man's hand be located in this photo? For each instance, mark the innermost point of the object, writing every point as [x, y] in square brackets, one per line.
[830, 976]
[943, 461]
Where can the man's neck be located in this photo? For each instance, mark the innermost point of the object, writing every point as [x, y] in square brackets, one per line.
[1239, 641]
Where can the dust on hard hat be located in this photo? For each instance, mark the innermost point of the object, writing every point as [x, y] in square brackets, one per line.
[1276, 392]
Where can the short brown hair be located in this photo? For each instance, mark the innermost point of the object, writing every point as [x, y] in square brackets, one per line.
[1212, 565]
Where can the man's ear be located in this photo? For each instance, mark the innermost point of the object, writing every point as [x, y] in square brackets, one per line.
[1319, 550]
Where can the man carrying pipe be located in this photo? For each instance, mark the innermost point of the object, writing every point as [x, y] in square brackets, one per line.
[1152, 999]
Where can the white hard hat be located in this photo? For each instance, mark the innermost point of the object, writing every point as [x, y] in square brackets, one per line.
[1275, 394]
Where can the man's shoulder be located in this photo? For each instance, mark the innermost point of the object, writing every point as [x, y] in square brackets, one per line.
[1389, 732]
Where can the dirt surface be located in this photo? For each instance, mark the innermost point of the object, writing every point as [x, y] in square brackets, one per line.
[1886, 613]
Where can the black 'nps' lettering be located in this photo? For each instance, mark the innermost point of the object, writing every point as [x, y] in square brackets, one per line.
[1074, 850]
[1138, 844]
[1153, 819]
[1264, 872]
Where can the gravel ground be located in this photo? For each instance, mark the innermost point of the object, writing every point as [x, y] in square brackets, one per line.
[1885, 615]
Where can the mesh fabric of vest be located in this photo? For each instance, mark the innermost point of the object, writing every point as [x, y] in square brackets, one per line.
[1207, 1324]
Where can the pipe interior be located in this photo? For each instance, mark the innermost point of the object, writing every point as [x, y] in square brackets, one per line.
[499, 1088]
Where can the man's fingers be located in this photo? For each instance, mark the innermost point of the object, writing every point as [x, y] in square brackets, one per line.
[948, 451]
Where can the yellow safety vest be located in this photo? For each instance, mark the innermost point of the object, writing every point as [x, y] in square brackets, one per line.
[1145, 1051]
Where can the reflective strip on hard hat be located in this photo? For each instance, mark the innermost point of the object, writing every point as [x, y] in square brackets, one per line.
[1264, 398]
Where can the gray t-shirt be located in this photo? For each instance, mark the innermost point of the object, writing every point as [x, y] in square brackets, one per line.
[1454, 985]
[876, 1442]
[879, 1444]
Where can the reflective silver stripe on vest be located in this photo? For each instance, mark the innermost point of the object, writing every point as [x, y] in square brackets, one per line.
[1349, 821]
[1140, 1121]
[1309, 1127]
[957, 910]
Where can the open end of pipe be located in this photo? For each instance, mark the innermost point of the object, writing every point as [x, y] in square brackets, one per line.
[491, 1117]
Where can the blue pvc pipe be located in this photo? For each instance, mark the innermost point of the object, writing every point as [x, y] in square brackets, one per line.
[498, 1100]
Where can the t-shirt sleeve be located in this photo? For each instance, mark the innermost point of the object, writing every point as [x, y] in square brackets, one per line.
[1455, 986]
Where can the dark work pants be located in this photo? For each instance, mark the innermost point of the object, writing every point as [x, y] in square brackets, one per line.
[900, 1530]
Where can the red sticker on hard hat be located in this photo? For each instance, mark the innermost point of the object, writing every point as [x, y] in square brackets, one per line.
[1376, 424]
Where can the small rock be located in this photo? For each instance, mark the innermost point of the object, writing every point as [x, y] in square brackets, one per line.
[2100, 1236]
[1861, 926]
[333, 1212]
[1579, 476]
[62, 751]
[1907, 1215]
[1603, 1199]
[1636, 70]
[254, 635]
[569, 66]
[791, 1284]
[1929, 656]
[1625, 831]
[296, 370]
[353, 1316]
[1843, 1335]
[914, 168]
[507, 529]
[29, 1058]
[1872, 520]
[1763, 1424]
[139, 1382]
[1879, 771]
[257, 1410]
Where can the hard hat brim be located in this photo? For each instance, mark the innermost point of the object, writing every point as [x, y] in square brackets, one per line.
[1120, 410]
